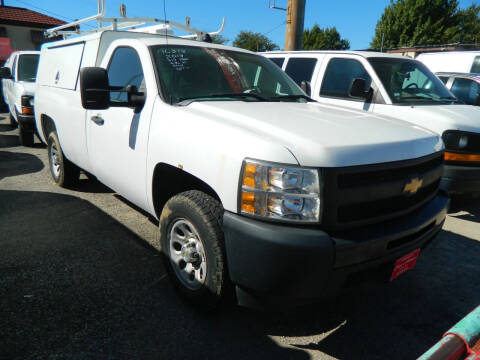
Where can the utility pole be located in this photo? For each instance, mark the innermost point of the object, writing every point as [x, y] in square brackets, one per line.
[295, 19]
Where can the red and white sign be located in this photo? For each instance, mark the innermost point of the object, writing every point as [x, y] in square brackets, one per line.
[5, 48]
[405, 263]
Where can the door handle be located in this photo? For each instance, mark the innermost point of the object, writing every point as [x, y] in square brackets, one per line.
[97, 119]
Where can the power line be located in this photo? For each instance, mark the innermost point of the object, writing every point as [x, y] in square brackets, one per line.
[276, 27]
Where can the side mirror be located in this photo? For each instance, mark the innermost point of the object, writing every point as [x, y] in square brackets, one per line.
[5, 73]
[306, 87]
[94, 88]
[357, 90]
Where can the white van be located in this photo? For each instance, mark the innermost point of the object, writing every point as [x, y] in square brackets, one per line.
[18, 82]
[452, 61]
[396, 86]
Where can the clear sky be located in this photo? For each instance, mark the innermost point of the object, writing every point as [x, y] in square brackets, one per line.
[354, 19]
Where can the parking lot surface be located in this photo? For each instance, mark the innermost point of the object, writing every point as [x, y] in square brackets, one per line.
[81, 278]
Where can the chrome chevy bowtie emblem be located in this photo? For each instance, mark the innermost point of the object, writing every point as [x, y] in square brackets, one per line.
[412, 186]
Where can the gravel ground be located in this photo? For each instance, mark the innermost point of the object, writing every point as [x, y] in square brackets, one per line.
[81, 278]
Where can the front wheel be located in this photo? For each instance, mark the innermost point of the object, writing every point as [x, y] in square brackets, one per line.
[192, 242]
[64, 173]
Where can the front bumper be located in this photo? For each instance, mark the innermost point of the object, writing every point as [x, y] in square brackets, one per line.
[26, 122]
[279, 264]
[458, 179]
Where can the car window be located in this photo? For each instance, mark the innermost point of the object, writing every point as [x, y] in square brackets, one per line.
[125, 69]
[339, 76]
[300, 69]
[27, 67]
[444, 79]
[278, 61]
[476, 65]
[466, 90]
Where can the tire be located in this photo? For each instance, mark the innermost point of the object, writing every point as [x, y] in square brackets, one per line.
[196, 263]
[13, 122]
[26, 138]
[64, 173]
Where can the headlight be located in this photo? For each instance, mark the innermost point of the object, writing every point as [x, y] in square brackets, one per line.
[455, 140]
[280, 192]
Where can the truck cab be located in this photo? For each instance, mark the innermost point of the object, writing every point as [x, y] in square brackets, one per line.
[396, 86]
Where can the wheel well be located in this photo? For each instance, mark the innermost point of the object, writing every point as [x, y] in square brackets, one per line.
[169, 181]
[48, 125]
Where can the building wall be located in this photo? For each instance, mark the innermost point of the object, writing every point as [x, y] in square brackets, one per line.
[21, 37]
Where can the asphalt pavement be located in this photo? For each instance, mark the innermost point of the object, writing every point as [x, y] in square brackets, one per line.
[81, 278]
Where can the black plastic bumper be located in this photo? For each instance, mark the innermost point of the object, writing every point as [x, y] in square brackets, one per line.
[459, 179]
[26, 122]
[281, 264]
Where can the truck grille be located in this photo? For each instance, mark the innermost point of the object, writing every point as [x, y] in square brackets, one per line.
[361, 195]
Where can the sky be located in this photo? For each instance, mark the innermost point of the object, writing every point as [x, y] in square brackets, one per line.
[354, 19]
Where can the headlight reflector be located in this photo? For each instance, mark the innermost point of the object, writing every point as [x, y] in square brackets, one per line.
[280, 192]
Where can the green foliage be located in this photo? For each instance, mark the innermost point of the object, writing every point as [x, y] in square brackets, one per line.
[254, 42]
[219, 39]
[407, 23]
[323, 39]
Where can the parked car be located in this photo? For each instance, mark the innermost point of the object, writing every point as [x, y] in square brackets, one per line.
[452, 61]
[397, 86]
[18, 81]
[253, 183]
[464, 86]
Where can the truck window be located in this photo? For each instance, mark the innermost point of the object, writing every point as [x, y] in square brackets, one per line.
[466, 90]
[339, 76]
[278, 61]
[476, 65]
[27, 67]
[300, 69]
[125, 69]
[444, 79]
[195, 72]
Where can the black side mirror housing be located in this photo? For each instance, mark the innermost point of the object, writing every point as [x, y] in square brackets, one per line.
[5, 73]
[94, 88]
[357, 90]
[306, 87]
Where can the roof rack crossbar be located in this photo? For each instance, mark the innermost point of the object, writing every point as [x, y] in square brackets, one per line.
[123, 23]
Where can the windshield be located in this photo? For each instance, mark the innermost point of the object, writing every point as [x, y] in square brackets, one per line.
[202, 74]
[410, 82]
[27, 67]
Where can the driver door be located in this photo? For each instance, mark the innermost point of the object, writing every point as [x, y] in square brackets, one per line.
[118, 136]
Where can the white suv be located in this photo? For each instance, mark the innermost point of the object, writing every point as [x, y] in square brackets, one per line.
[19, 75]
[253, 183]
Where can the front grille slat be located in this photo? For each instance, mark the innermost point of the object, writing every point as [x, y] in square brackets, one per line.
[361, 195]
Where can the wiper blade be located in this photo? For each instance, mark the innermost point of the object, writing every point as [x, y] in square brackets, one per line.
[291, 97]
[452, 99]
[226, 95]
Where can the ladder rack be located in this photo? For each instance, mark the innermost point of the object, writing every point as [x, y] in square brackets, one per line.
[125, 23]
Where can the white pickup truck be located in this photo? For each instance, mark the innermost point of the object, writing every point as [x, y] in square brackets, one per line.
[18, 84]
[398, 86]
[255, 185]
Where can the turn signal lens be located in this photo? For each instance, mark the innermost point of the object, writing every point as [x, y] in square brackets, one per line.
[27, 111]
[449, 156]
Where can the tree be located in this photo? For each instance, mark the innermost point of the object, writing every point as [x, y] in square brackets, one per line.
[219, 39]
[323, 39]
[254, 42]
[468, 26]
[420, 22]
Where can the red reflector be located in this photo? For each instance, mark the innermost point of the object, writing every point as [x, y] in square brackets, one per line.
[405, 263]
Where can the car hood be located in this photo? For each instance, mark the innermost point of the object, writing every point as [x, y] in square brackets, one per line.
[439, 117]
[323, 135]
[28, 87]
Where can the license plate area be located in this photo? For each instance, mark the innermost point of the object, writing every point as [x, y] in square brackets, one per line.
[405, 263]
